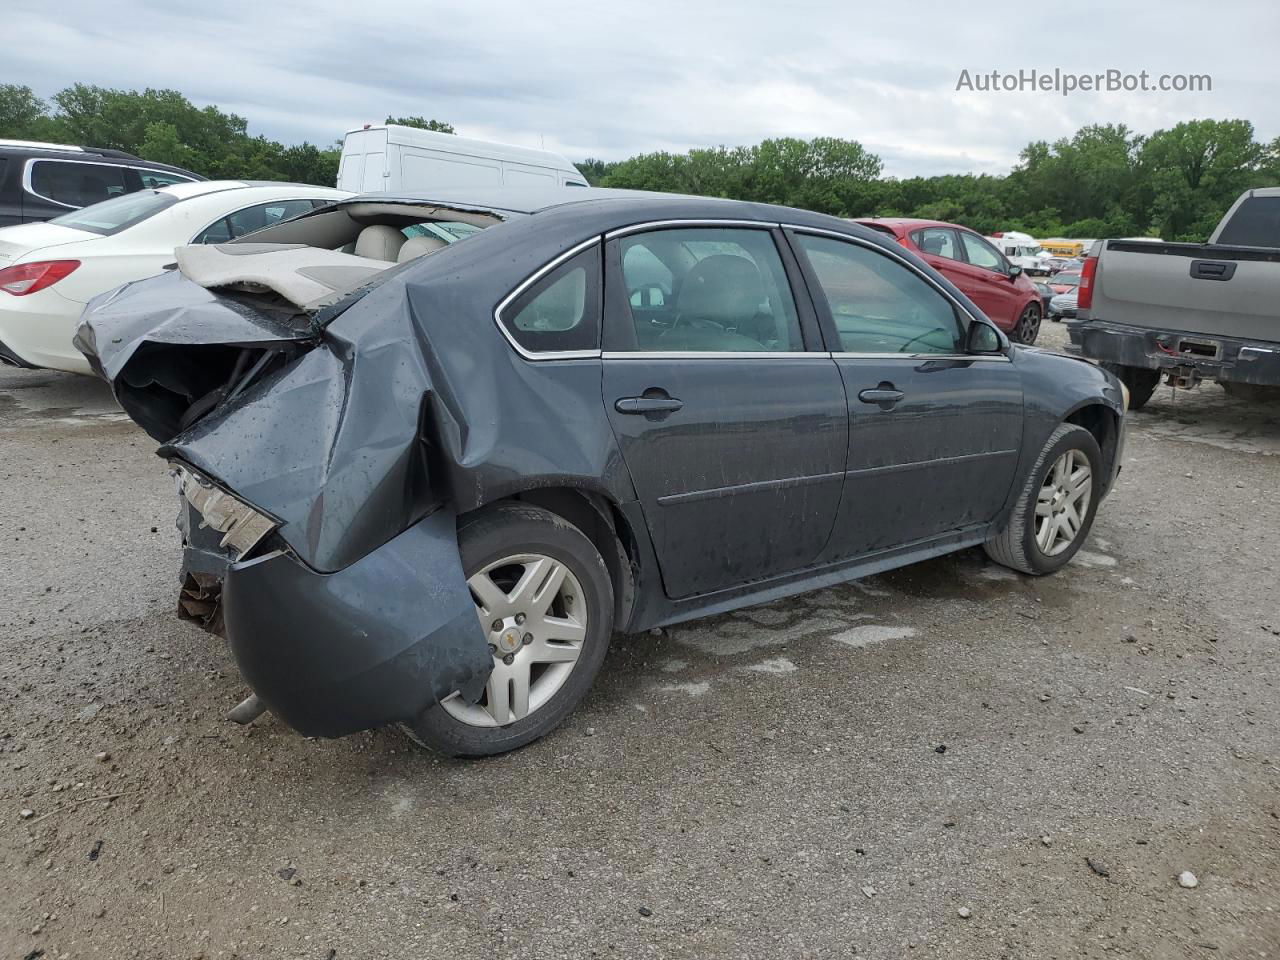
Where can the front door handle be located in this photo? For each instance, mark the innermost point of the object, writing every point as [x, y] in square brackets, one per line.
[886, 395]
[660, 406]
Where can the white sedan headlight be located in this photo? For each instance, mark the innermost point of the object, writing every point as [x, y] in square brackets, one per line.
[241, 526]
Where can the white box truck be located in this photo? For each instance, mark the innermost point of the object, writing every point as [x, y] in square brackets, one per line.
[388, 157]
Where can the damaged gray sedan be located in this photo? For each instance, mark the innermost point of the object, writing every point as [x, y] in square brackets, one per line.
[433, 452]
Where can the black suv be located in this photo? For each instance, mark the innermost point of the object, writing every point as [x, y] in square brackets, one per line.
[39, 181]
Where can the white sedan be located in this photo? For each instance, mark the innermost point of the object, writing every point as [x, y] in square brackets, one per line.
[48, 271]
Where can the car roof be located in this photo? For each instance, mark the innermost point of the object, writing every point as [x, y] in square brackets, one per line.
[905, 224]
[35, 150]
[619, 205]
[198, 188]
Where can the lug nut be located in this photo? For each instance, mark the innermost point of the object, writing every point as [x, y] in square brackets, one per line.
[519, 618]
[493, 649]
[497, 625]
[527, 639]
[509, 659]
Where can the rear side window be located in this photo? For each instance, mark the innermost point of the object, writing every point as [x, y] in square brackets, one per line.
[75, 184]
[154, 179]
[561, 311]
[1256, 223]
[937, 242]
[706, 289]
[253, 218]
[112, 216]
[878, 305]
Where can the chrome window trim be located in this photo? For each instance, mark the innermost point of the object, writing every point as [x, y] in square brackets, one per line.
[714, 354]
[692, 223]
[525, 285]
[922, 357]
[32, 161]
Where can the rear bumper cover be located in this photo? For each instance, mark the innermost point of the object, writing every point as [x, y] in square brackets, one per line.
[1233, 360]
[375, 643]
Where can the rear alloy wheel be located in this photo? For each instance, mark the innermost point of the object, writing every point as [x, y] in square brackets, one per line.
[545, 605]
[1055, 508]
[1027, 328]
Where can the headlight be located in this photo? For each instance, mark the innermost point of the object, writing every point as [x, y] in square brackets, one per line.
[241, 526]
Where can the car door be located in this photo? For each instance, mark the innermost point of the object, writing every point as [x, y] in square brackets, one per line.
[989, 284]
[733, 432]
[933, 433]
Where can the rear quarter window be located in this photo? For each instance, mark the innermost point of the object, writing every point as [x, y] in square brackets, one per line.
[75, 183]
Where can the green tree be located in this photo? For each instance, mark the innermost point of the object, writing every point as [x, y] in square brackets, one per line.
[21, 112]
[1192, 172]
[422, 123]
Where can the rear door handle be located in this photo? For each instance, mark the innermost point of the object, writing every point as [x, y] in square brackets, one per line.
[647, 405]
[886, 395]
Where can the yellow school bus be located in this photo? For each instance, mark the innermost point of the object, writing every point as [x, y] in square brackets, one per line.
[1063, 248]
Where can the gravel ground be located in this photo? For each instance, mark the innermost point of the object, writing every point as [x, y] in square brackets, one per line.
[950, 761]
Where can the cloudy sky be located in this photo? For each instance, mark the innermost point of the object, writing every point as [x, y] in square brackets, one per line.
[610, 80]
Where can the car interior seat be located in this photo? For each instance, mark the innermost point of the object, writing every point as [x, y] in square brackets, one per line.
[416, 247]
[379, 242]
[933, 245]
[718, 307]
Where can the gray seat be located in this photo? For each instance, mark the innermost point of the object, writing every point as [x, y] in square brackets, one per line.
[718, 307]
[379, 242]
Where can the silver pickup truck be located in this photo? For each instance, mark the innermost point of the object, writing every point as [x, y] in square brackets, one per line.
[1188, 311]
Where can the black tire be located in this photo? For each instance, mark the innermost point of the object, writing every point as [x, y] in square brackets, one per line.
[1141, 381]
[1251, 392]
[504, 530]
[1015, 546]
[1027, 328]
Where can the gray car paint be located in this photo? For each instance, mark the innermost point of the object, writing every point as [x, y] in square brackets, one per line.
[405, 406]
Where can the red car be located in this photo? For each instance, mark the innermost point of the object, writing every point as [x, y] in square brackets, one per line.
[1062, 282]
[1000, 289]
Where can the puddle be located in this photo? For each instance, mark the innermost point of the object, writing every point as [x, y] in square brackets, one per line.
[692, 689]
[871, 633]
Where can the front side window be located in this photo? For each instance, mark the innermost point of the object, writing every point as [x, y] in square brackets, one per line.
[981, 253]
[120, 213]
[938, 242]
[76, 184]
[877, 304]
[561, 311]
[253, 218]
[706, 289]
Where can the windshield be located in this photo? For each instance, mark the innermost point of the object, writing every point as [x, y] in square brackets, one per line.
[118, 213]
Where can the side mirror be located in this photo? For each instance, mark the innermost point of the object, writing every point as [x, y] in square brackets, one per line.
[983, 338]
[1014, 270]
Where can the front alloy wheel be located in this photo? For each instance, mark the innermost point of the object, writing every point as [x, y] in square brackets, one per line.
[1055, 506]
[1063, 502]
